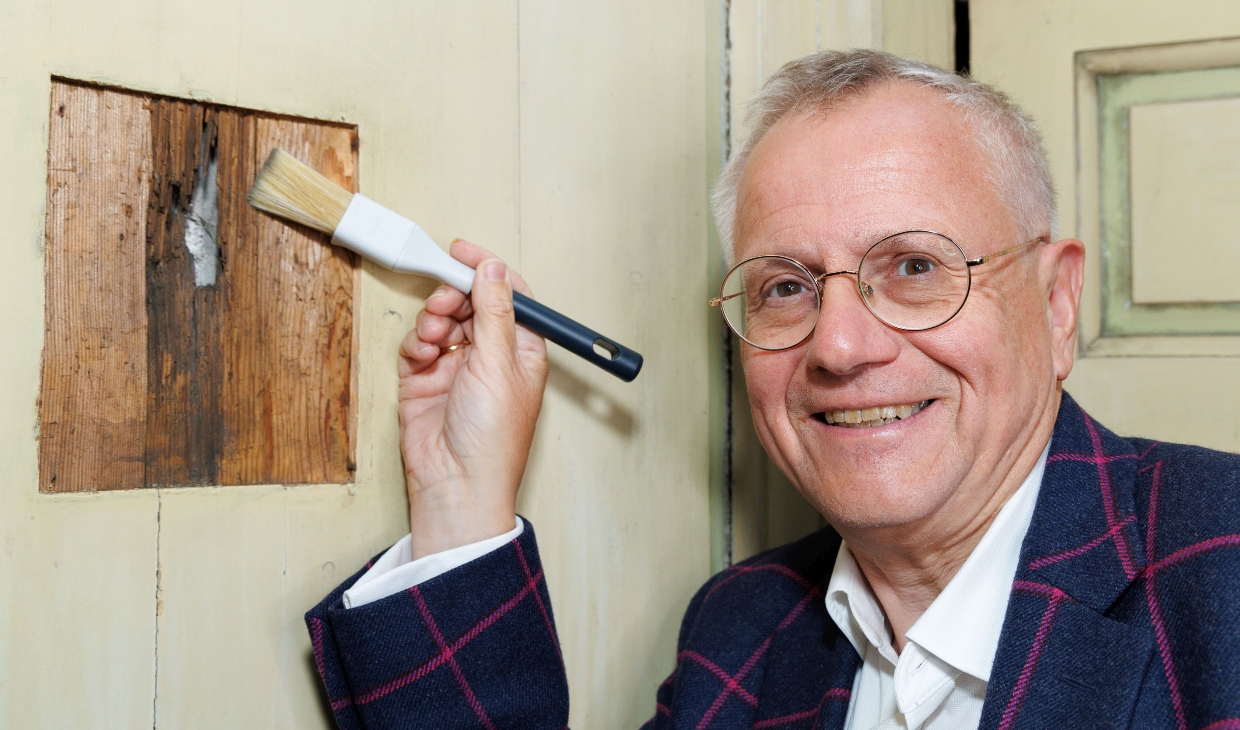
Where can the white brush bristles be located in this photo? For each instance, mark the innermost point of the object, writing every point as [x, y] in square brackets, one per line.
[288, 188]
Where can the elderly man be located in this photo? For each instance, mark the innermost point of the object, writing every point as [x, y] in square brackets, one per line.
[995, 558]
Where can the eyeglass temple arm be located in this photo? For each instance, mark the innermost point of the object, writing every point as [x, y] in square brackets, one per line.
[983, 259]
[718, 301]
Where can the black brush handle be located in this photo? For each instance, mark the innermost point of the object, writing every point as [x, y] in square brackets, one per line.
[577, 338]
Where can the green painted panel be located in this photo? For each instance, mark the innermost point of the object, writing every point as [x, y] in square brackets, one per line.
[1116, 95]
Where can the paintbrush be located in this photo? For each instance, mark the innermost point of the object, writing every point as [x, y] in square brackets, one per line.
[290, 189]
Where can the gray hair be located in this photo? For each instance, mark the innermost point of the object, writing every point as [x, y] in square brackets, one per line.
[1007, 136]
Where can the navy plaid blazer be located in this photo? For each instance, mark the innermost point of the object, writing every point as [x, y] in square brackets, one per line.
[1125, 613]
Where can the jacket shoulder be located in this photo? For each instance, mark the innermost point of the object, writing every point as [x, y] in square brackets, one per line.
[1179, 483]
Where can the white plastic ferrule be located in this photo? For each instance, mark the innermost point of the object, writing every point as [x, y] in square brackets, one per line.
[397, 243]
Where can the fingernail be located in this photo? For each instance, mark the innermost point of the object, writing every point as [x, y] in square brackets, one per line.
[439, 292]
[455, 240]
[494, 270]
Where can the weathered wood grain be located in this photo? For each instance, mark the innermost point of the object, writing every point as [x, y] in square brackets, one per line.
[184, 416]
[92, 405]
[246, 378]
[287, 394]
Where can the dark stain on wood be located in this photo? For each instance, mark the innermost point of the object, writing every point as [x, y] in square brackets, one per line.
[184, 364]
[247, 380]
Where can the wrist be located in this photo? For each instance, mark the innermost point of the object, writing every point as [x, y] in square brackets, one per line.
[439, 522]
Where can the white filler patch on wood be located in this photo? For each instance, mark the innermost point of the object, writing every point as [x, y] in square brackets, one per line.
[201, 226]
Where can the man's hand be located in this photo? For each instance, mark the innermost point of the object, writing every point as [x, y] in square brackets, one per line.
[467, 416]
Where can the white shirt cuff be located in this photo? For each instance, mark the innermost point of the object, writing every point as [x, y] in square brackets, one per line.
[396, 571]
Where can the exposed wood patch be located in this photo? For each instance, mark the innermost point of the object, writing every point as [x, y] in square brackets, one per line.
[92, 415]
[156, 372]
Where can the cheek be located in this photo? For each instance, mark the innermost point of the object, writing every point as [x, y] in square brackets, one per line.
[998, 349]
[767, 377]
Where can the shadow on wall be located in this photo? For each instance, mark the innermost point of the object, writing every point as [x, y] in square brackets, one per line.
[329, 717]
[605, 410]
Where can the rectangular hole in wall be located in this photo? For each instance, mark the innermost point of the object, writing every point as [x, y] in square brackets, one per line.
[189, 339]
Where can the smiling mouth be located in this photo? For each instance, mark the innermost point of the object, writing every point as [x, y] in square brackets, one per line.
[871, 417]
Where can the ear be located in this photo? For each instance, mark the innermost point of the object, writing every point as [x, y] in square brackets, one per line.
[1063, 268]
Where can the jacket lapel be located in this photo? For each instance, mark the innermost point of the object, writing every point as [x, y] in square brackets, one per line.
[808, 679]
[1061, 661]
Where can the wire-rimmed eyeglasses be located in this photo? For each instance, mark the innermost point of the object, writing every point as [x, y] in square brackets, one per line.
[912, 281]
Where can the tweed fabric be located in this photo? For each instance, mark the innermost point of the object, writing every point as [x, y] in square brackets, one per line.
[1125, 612]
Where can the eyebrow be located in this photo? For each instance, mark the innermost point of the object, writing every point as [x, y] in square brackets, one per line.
[810, 253]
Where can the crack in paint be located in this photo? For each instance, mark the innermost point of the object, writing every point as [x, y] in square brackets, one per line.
[159, 602]
[202, 222]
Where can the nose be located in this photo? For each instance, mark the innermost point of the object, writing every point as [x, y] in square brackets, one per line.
[848, 337]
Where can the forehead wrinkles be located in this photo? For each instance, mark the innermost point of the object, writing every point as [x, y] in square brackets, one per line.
[854, 182]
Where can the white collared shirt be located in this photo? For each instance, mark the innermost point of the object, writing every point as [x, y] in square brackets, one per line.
[939, 681]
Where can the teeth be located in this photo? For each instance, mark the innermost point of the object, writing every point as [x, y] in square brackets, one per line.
[875, 416]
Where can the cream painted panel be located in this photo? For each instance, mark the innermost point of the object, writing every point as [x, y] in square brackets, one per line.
[614, 232]
[1027, 47]
[77, 597]
[238, 567]
[766, 34]
[222, 608]
[1204, 390]
[1185, 188]
[766, 509]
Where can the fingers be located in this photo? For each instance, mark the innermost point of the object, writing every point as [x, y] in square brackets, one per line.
[494, 323]
[428, 340]
[439, 331]
[415, 355]
[448, 302]
[471, 254]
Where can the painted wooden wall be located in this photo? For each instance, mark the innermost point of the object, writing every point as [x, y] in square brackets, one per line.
[571, 138]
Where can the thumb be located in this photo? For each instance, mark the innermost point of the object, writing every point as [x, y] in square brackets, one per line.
[495, 329]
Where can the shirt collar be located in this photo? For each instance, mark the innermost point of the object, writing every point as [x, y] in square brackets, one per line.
[962, 625]
[855, 609]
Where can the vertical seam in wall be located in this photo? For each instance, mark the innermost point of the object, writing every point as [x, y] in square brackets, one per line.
[725, 111]
[159, 513]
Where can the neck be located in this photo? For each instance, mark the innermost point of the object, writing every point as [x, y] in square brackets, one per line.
[909, 565]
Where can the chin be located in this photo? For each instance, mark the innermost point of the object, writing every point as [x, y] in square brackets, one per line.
[873, 503]
[884, 476]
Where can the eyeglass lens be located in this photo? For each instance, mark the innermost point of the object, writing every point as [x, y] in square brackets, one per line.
[911, 281]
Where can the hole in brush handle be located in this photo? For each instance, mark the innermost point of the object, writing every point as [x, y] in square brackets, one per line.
[577, 338]
[606, 349]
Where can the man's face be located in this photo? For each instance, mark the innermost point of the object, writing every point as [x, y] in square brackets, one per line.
[821, 189]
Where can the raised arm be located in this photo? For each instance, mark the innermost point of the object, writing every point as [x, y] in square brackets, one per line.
[455, 628]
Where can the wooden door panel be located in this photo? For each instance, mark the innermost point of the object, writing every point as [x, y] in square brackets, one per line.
[1139, 103]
